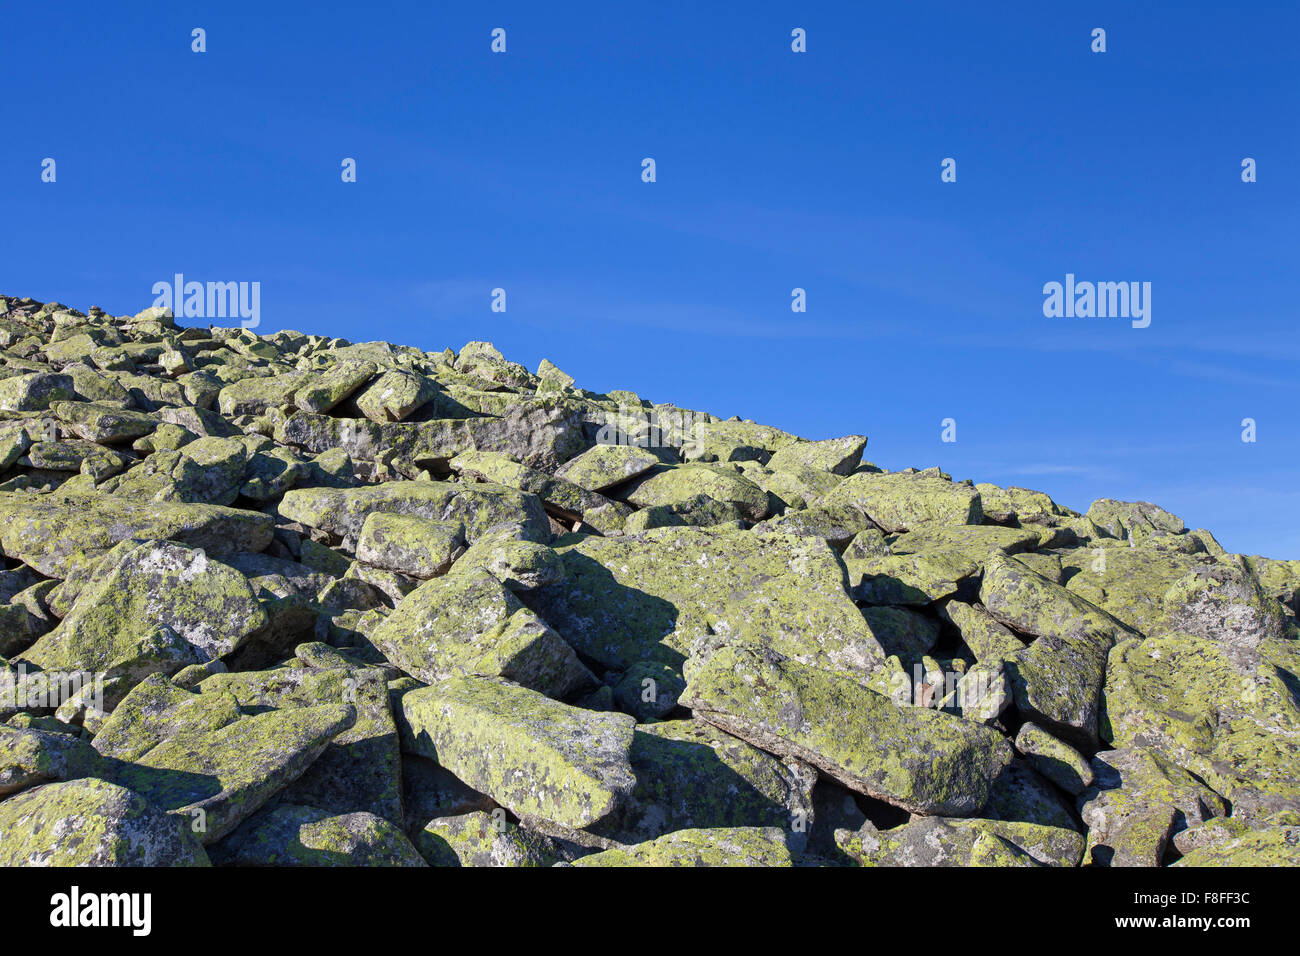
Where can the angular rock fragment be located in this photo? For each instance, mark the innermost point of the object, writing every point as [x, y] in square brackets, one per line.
[734, 846]
[690, 775]
[473, 624]
[160, 607]
[57, 533]
[326, 389]
[343, 511]
[669, 485]
[1268, 846]
[839, 456]
[901, 502]
[1054, 759]
[360, 769]
[531, 754]
[935, 841]
[1057, 679]
[394, 395]
[104, 424]
[216, 779]
[604, 466]
[292, 835]
[483, 839]
[921, 760]
[30, 757]
[647, 597]
[34, 392]
[113, 827]
[417, 546]
[1138, 803]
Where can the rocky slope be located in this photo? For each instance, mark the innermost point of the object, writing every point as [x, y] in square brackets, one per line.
[289, 600]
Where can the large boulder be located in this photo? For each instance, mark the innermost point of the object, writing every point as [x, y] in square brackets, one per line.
[159, 607]
[473, 624]
[905, 502]
[343, 511]
[55, 533]
[531, 754]
[919, 759]
[93, 823]
[647, 597]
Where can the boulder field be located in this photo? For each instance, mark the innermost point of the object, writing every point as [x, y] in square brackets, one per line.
[288, 600]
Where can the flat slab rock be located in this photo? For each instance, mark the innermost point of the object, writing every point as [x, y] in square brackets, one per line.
[919, 759]
[55, 533]
[535, 756]
[648, 596]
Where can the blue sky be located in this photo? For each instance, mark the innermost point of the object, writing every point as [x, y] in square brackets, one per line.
[775, 170]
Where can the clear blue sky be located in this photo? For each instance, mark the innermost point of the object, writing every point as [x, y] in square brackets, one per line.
[775, 170]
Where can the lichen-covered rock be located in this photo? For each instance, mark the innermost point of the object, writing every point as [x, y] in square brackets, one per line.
[417, 546]
[935, 841]
[734, 846]
[1020, 507]
[531, 754]
[161, 607]
[603, 466]
[271, 473]
[430, 791]
[507, 554]
[343, 511]
[666, 485]
[216, 779]
[34, 392]
[483, 839]
[839, 456]
[394, 395]
[921, 760]
[1139, 802]
[733, 440]
[1020, 794]
[1132, 520]
[204, 471]
[92, 823]
[30, 757]
[1226, 713]
[103, 423]
[316, 602]
[699, 511]
[903, 502]
[648, 596]
[1268, 846]
[1054, 759]
[252, 395]
[473, 624]
[292, 835]
[986, 638]
[360, 768]
[561, 498]
[1057, 679]
[690, 775]
[158, 709]
[903, 633]
[905, 579]
[56, 533]
[837, 525]
[326, 389]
